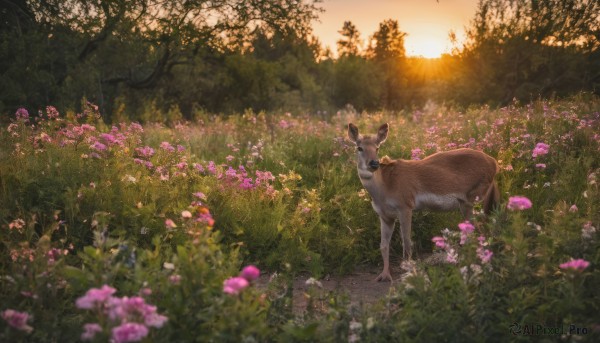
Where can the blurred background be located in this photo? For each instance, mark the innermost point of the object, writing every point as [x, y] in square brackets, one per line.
[139, 59]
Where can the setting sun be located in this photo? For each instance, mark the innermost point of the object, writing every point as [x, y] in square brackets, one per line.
[427, 23]
[426, 45]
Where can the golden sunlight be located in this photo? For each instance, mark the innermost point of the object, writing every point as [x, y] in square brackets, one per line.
[430, 41]
[427, 47]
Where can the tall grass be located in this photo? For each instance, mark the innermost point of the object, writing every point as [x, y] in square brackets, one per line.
[169, 213]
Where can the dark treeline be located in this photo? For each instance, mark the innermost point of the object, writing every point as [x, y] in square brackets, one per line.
[144, 57]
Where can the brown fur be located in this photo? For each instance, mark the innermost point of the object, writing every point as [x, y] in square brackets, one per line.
[443, 181]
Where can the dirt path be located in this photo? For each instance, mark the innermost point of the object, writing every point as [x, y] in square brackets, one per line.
[359, 285]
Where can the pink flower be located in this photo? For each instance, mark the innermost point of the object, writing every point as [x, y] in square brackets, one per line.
[416, 154]
[17, 320]
[573, 208]
[518, 203]
[186, 214]
[250, 273]
[200, 195]
[145, 151]
[540, 149]
[246, 183]
[465, 229]
[234, 285]
[170, 224]
[91, 329]
[440, 242]
[167, 146]
[95, 296]
[98, 146]
[129, 332]
[484, 255]
[540, 165]
[175, 279]
[577, 265]
[22, 113]
[17, 224]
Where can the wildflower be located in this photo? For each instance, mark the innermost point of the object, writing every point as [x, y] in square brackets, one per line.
[452, 256]
[129, 332]
[180, 148]
[198, 167]
[229, 158]
[181, 165]
[94, 297]
[465, 229]
[175, 279]
[518, 203]
[108, 138]
[234, 285]
[170, 224]
[540, 149]
[200, 195]
[167, 146]
[22, 114]
[212, 168]
[573, 208]
[98, 146]
[577, 265]
[17, 224]
[540, 165]
[135, 127]
[231, 173]
[145, 151]
[440, 242]
[416, 154]
[91, 329]
[588, 231]
[250, 273]
[246, 183]
[186, 214]
[484, 255]
[17, 320]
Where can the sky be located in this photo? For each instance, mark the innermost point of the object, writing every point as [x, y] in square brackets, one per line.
[427, 22]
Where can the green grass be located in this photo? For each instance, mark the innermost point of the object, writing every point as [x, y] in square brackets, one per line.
[106, 212]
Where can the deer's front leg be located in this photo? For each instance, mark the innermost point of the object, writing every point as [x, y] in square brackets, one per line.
[387, 229]
[405, 218]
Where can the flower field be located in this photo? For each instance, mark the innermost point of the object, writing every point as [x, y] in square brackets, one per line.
[155, 233]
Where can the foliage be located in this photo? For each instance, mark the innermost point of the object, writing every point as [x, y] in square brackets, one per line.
[165, 216]
[225, 57]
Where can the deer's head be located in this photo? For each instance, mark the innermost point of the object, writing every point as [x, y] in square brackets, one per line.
[367, 146]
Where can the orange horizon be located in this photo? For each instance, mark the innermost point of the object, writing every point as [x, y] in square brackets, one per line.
[426, 22]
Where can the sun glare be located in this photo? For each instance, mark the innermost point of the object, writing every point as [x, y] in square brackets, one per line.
[426, 46]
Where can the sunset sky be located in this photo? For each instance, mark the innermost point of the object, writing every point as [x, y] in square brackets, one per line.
[427, 22]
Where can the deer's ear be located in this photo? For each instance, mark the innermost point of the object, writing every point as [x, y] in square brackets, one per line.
[382, 133]
[352, 132]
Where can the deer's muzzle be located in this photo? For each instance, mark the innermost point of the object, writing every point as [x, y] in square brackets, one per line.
[374, 164]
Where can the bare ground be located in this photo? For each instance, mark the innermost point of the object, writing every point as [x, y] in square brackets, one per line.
[360, 285]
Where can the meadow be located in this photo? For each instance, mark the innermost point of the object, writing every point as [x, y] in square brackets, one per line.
[157, 232]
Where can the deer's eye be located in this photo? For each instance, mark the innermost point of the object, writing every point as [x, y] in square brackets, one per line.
[359, 148]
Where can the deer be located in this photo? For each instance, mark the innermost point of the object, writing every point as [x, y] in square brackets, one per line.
[444, 181]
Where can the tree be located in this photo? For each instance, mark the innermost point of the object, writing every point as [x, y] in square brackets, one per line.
[350, 44]
[386, 49]
[97, 48]
[527, 48]
[387, 42]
